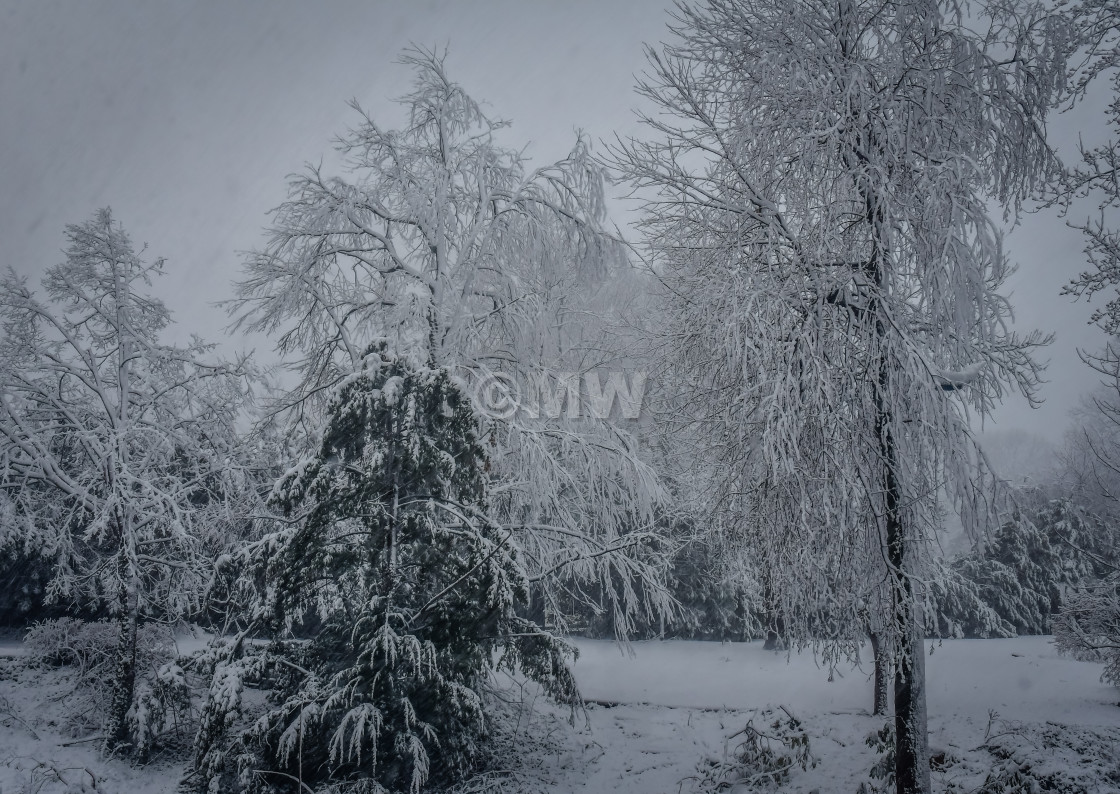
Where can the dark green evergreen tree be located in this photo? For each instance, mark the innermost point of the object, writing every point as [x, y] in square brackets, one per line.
[1017, 579]
[960, 608]
[391, 595]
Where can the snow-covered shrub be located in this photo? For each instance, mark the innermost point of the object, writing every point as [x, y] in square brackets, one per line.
[227, 667]
[390, 595]
[162, 702]
[1051, 757]
[883, 743]
[88, 650]
[764, 757]
[88, 646]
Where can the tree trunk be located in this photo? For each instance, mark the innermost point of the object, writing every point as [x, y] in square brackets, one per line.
[123, 683]
[910, 718]
[124, 667]
[882, 671]
[742, 615]
[910, 721]
[775, 628]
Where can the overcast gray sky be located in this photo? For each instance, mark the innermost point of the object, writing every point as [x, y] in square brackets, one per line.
[186, 118]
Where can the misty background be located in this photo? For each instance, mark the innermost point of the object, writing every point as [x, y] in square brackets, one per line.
[186, 119]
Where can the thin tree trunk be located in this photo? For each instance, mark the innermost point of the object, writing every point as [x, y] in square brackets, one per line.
[123, 683]
[124, 668]
[773, 636]
[910, 719]
[882, 672]
[741, 614]
[775, 629]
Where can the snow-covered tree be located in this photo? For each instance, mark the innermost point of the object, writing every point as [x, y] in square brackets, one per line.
[446, 244]
[1089, 459]
[113, 443]
[821, 177]
[1092, 451]
[391, 593]
[1019, 577]
[1088, 626]
[1096, 28]
[960, 608]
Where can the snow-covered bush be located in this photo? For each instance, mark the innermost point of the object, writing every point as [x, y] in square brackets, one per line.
[89, 647]
[228, 669]
[1025, 758]
[390, 595]
[882, 742]
[88, 650]
[162, 703]
[764, 757]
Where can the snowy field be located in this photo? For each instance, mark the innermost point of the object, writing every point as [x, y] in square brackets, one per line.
[683, 698]
[656, 716]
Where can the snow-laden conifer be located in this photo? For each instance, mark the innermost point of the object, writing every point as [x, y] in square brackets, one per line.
[391, 595]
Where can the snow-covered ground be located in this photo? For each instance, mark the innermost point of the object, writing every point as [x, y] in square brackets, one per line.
[1023, 679]
[659, 713]
[682, 699]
